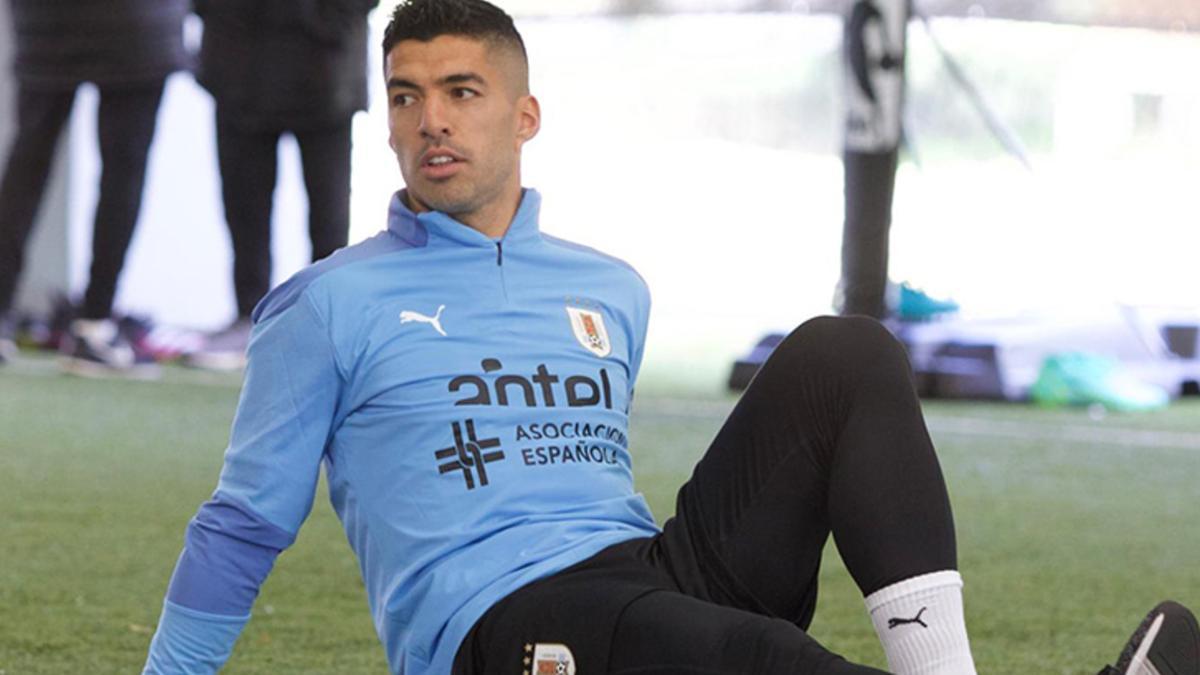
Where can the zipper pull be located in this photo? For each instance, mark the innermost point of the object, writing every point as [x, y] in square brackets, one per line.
[499, 253]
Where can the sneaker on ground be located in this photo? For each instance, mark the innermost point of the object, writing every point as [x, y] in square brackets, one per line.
[1166, 643]
[224, 349]
[155, 342]
[914, 304]
[96, 348]
[1081, 378]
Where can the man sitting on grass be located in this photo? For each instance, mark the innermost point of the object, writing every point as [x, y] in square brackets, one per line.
[466, 380]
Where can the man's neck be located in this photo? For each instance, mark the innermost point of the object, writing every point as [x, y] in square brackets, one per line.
[491, 220]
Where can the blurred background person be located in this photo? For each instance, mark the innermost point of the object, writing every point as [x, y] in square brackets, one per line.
[126, 48]
[276, 67]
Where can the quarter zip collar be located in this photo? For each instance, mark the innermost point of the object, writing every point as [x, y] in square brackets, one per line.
[417, 228]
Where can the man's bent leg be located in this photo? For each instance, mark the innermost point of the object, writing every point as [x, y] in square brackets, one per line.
[829, 437]
[614, 613]
[669, 633]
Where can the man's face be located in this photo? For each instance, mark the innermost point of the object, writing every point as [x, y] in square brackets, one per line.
[458, 114]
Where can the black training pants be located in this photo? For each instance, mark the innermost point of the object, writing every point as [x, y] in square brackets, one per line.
[828, 438]
[125, 126]
[247, 158]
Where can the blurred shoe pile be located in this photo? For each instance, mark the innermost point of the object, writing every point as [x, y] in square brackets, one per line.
[123, 345]
[224, 349]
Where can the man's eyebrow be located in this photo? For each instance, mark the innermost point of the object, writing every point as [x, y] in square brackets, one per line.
[462, 78]
[395, 82]
[455, 78]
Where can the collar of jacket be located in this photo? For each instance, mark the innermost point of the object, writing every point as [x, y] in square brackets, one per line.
[416, 228]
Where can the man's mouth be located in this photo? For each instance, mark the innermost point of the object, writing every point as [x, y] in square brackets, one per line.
[440, 156]
[438, 165]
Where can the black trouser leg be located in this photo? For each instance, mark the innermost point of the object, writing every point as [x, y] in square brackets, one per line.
[125, 125]
[829, 437]
[668, 633]
[621, 614]
[41, 116]
[248, 166]
[325, 156]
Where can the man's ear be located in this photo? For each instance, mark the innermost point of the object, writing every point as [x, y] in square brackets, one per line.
[529, 119]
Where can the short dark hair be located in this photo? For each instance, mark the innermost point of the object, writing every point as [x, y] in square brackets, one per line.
[424, 20]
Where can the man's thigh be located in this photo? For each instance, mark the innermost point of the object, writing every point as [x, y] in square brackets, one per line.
[829, 437]
[669, 633]
[752, 521]
[811, 447]
[574, 611]
[619, 612]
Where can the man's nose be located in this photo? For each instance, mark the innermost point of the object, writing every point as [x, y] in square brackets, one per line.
[434, 123]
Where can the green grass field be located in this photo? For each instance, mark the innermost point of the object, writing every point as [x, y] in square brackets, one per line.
[1070, 528]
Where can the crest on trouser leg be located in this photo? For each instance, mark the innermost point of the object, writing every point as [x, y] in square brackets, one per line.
[549, 658]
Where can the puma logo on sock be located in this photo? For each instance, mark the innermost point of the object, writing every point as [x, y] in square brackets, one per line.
[892, 623]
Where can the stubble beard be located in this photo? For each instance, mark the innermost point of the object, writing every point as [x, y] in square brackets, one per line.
[460, 195]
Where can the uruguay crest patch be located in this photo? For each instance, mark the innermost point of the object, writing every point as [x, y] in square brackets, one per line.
[552, 659]
[588, 326]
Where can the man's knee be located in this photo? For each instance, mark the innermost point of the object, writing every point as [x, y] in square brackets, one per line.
[839, 346]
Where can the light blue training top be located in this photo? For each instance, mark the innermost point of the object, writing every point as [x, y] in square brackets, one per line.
[469, 399]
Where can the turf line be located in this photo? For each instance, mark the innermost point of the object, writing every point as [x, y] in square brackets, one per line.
[49, 367]
[1142, 438]
[967, 426]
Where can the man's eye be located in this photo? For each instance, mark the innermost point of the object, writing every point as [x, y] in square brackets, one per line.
[403, 100]
[464, 93]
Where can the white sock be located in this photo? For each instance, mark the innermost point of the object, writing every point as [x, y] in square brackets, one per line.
[920, 624]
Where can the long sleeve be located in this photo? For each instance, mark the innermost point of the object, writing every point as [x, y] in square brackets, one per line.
[285, 415]
[638, 339]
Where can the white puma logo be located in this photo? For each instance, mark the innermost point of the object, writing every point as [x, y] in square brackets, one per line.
[435, 320]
